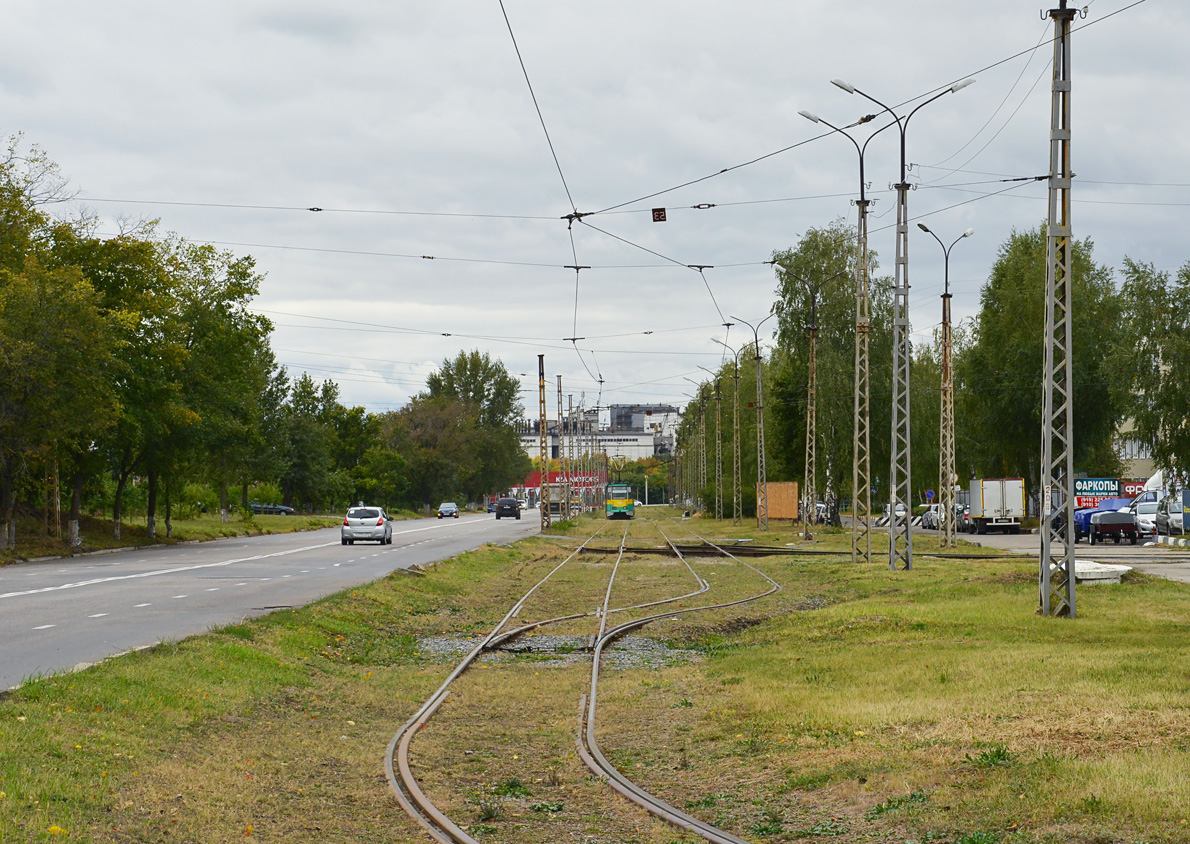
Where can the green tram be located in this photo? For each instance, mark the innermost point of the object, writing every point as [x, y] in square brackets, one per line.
[619, 501]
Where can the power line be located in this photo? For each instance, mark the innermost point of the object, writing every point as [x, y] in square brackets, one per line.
[532, 94]
[316, 209]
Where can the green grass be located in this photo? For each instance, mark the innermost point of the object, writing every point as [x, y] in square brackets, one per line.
[858, 704]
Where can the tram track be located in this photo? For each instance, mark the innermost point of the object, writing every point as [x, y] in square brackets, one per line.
[397, 765]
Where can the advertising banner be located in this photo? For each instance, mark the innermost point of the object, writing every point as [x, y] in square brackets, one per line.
[1131, 489]
[1089, 492]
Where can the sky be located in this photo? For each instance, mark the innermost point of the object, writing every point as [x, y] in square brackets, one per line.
[412, 125]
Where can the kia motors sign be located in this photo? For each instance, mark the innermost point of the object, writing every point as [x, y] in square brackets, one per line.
[1089, 492]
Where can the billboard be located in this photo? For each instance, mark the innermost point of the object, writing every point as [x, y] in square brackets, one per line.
[1089, 492]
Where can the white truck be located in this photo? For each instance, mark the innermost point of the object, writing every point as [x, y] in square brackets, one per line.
[997, 504]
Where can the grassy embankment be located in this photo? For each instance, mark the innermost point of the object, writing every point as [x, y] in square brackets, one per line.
[856, 705]
[32, 541]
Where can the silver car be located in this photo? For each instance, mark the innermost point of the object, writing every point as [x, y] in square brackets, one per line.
[367, 524]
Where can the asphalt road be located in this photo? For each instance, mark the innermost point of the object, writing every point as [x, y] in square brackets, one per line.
[63, 614]
[1161, 560]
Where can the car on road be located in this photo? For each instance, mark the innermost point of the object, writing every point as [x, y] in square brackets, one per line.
[1169, 516]
[900, 510]
[366, 524]
[522, 504]
[507, 508]
[270, 509]
[448, 510]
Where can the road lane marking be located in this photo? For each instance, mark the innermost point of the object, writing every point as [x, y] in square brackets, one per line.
[158, 572]
[97, 615]
[45, 627]
[213, 589]
[138, 606]
[180, 596]
[241, 584]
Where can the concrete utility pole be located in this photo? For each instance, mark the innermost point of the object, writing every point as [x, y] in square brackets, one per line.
[544, 495]
[947, 531]
[762, 486]
[572, 479]
[1057, 419]
[900, 489]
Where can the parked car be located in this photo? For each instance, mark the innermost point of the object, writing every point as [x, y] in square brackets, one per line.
[930, 518]
[270, 509]
[1169, 516]
[1146, 516]
[507, 507]
[448, 510]
[366, 524]
[900, 510]
[1113, 519]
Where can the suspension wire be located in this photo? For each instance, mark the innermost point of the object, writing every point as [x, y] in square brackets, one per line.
[1044, 30]
[532, 94]
[314, 208]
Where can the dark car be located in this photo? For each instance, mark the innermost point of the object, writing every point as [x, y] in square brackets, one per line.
[270, 509]
[508, 507]
[492, 502]
[448, 510]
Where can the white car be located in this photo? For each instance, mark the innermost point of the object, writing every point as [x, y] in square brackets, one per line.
[366, 524]
[1146, 517]
[929, 519]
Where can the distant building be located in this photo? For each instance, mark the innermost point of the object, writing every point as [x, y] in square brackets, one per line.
[636, 432]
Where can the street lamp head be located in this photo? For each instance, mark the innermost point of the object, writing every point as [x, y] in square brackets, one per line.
[811, 116]
[958, 86]
[924, 228]
[968, 232]
[850, 89]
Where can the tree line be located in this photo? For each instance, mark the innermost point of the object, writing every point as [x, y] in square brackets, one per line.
[1131, 360]
[133, 368]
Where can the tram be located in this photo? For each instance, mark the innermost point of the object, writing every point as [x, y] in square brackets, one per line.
[619, 501]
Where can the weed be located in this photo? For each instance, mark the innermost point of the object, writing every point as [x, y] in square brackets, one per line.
[771, 824]
[489, 809]
[550, 808]
[893, 803]
[831, 827]
[731, 681]
[806, 782]
[481, 829]
[978, 838]
[552, 779]
[706, 802]
[996, 756]
[511, 788]
[1092, 804]
[683, 703]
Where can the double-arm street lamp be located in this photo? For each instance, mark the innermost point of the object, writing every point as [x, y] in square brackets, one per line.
[762, 487]
[947, 529]
[900, 532]
[736, 515]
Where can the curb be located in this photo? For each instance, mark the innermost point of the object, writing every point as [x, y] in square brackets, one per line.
[1169, 540]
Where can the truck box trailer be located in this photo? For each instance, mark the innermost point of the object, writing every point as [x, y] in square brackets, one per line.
[997, 504]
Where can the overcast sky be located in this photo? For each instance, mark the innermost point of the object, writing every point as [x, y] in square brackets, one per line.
[369, 108]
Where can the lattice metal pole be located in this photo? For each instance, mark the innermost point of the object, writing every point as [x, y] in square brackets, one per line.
[1057, 436]
[946, 472]
[810, 508]
[718, 453]
[702, 446]
[762, 487]
[544, 495]
[900, 490]
[737, 508]
[564, 504]
[861, 445]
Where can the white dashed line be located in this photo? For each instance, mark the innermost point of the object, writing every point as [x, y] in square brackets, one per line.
[138, 606]
[213, 589]
[97, 615]
[285, 576]
[180, 596]
[241, 584]
[265, 579]
[337, 565]
[45, 627]
[305, 571]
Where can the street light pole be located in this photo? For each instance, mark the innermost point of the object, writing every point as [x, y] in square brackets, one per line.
[718, 444]
[947, 477]
[861, 447]
[736, 504]
[900, 491]
[762, 487]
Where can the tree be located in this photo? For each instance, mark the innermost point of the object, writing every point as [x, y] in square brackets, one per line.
[826, 258]
[55, 352]
[1152, 359]
[999, 372]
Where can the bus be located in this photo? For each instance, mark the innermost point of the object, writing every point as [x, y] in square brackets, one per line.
[619, 501]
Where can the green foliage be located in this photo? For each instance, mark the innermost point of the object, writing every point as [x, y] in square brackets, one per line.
[512, 788]
[999, 366]
[996, 756]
